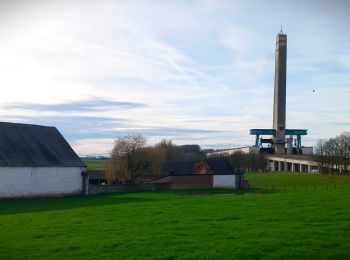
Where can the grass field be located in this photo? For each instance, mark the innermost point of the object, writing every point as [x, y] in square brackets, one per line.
[298, 182]
[95, 164]
[169, 225]
[280, 178]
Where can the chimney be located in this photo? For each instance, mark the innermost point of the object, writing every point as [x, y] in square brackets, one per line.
[279, 104]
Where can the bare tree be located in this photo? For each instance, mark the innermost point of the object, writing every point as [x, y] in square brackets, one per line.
[333, 154]
[156, 158]
[127, 159]
[169, 149]
[131, 158]
[246, 161]
[188, 152]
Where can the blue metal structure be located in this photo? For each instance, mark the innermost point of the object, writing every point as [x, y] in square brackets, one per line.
[296, 132]
[263, 132]
[272, 132]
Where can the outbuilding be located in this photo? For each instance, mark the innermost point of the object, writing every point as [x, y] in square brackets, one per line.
[207, 173]
[37, 161]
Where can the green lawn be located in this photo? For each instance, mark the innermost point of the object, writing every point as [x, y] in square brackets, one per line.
[168, 225]
[298, 182]
[281, 178]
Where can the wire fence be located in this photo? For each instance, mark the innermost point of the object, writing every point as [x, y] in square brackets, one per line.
[296, 187]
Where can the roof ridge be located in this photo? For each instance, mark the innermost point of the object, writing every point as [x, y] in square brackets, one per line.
[26, 145]
[26, 124]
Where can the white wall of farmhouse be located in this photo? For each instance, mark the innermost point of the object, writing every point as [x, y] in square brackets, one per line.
[37, 181]
[224, 181]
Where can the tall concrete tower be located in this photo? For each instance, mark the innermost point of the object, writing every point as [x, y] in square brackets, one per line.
[279, 130]
[279, 103]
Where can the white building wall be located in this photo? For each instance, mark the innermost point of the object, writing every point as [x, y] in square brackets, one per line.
[307, 150]
[245, 149]
[224, 181]
[39, 181]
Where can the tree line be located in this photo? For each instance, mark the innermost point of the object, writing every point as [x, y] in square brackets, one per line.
[245, 161]
[131, 157]
[333, 154]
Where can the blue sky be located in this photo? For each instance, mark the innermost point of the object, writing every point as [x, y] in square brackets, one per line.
[193, 71]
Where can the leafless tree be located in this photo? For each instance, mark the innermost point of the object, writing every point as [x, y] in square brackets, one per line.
[333, 154]
[246, 161]
[130, 157]
[127, 159]
[188, 152]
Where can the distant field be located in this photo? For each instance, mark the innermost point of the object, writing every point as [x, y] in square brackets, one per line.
[194, 224]
[95, 164]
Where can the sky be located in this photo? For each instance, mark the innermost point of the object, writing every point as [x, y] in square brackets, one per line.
[197, 72]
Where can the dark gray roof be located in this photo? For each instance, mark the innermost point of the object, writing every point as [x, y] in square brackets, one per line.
[219, 166]
[25, 145]
[178, 167]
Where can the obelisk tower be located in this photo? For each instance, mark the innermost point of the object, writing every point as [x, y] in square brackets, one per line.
[279, 103]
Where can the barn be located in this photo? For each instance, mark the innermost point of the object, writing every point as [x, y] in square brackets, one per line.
[208, 173]
[37, 161]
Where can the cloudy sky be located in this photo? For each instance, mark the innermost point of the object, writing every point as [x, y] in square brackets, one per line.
[193, 71]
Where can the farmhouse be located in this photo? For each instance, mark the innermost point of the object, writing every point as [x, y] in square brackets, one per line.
[37, 161]
[208, 173]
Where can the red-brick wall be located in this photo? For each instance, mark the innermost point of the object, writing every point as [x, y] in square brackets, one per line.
[191, 181]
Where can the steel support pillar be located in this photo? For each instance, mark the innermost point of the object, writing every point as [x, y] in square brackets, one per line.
[257, 140]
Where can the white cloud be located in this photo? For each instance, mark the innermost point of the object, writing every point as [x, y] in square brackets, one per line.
[54, 52]
[100, 146]
[237, 38]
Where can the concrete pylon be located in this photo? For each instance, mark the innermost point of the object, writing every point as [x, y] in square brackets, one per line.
[279, 103]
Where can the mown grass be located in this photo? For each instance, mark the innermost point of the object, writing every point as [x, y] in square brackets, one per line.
[282, 178]
[182, 224]
[298, 181]
[95, 164]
